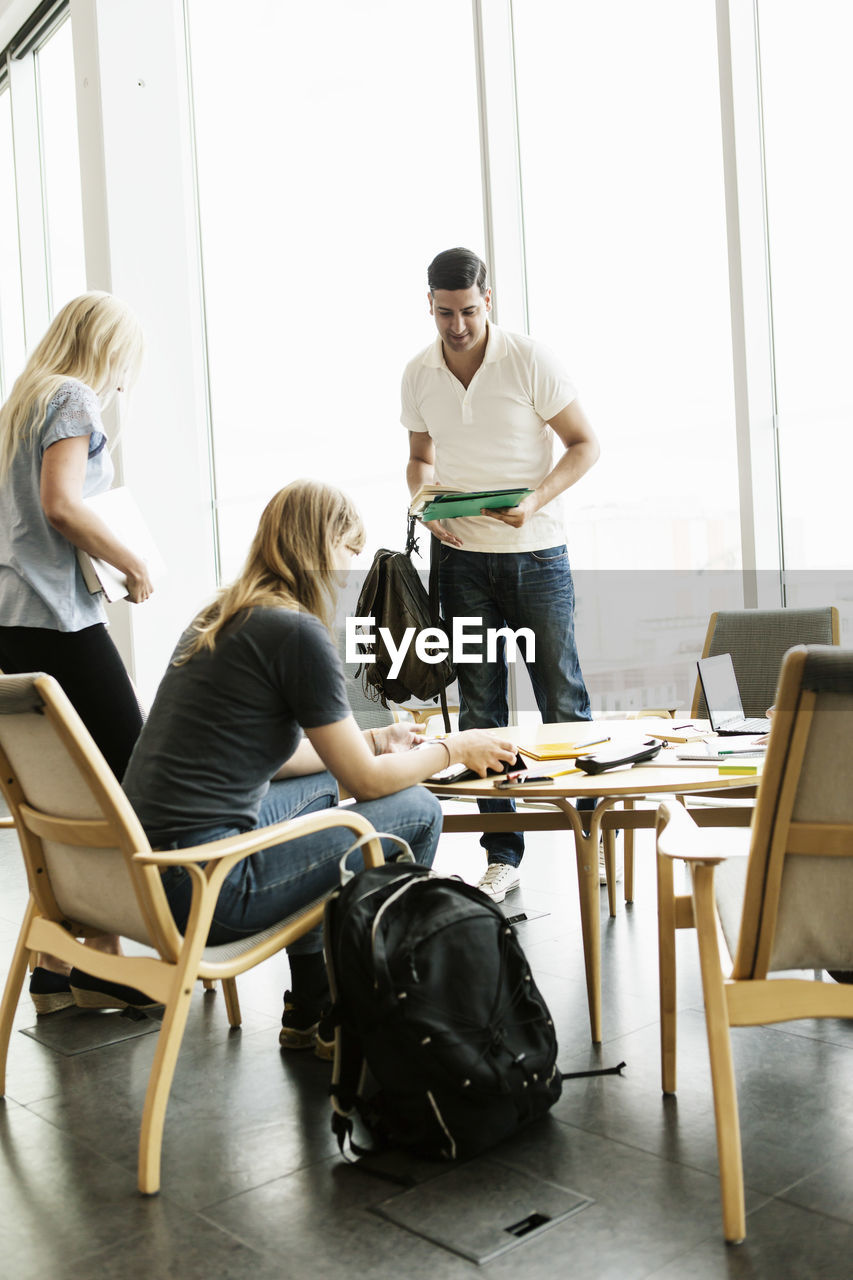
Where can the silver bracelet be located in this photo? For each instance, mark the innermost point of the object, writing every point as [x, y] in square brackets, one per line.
[376, 748]
[442, 743]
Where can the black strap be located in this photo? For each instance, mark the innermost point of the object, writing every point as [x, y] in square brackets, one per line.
[412, 543]
[599, 1071]
[342, 1127]
[435, 612]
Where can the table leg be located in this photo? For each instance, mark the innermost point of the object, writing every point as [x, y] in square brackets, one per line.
[628, 856]
[586, 851]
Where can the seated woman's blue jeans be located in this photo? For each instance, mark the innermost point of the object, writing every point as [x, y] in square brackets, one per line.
[276, 882]
[514, 589]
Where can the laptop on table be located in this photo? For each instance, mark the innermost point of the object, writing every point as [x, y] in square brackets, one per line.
[722, 697]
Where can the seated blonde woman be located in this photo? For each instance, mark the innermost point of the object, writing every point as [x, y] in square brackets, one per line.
[251, 725]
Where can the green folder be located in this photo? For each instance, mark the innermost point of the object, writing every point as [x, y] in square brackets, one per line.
[449, 505]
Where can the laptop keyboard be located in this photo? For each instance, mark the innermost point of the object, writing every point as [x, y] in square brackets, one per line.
[754, 724]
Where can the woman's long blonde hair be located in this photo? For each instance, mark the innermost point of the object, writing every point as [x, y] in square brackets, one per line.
[291, 560]
[95, 338]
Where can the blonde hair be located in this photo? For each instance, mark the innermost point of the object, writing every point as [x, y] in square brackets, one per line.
[96, 339]
[290, 562]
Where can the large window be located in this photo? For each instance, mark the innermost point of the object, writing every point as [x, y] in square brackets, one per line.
[625, 233]
[810, 213]
[61, 166]
[11, 302]
[334, 162]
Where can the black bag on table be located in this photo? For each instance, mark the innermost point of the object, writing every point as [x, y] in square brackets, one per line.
[432, 992]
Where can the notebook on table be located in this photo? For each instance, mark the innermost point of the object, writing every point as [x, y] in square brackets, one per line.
[722, 697]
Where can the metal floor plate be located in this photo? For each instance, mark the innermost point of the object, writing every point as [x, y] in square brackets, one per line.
[74, 1031]
[482, 1208]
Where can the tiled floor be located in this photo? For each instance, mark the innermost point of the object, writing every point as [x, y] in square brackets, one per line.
[252, 1184]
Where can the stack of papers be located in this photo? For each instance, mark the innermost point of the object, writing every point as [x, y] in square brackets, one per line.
[118, 509]
[726, 755]
[669, 731]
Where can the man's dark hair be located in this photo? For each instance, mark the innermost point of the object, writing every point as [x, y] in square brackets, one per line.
[456, 269]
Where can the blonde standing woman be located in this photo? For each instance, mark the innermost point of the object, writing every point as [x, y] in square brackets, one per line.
[53, 455]
[251, 725]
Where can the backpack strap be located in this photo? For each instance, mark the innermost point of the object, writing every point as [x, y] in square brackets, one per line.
[598, 1071]
[405, 854]
[435, 611]
[434, 605]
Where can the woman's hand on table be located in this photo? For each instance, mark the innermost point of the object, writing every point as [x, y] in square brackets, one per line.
[481, 750]
[400, 736]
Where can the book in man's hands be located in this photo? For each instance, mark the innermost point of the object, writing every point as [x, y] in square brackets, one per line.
[117, 508]
[447, 504]
[426, 494]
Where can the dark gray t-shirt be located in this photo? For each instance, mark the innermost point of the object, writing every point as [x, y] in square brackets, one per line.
[225, 721]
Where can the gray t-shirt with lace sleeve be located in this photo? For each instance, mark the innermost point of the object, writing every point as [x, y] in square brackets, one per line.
[40, 580]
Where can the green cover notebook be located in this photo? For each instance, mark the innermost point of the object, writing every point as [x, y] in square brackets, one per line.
[470, 504]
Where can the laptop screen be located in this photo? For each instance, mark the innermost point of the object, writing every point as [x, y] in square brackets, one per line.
[719, 685]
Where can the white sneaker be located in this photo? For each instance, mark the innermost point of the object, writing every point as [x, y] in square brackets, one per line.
[602, 871]
[498, 880]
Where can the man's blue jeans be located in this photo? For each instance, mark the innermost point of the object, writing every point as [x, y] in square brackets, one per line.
[271, 884]
[514, 589]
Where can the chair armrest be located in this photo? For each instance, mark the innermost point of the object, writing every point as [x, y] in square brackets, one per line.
[236, 848]
[678, 837]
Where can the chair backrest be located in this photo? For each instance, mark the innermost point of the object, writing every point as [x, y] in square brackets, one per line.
[758, 640]
[798, 901]
[367, 713]
[77, 829]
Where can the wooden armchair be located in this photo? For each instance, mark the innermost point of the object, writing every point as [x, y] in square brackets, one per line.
[92, 871]
[786, 906]
[758, 640]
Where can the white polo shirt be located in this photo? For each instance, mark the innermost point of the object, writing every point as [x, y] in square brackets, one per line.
[495, 433]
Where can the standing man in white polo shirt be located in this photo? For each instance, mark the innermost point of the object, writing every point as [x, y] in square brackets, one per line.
[485, 409]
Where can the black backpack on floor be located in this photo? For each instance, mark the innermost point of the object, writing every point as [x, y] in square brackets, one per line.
[433, 993]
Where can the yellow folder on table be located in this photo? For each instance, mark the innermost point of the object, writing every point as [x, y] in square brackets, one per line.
[563, 750]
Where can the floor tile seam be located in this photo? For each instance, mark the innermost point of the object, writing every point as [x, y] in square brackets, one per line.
[107, 1158]
[801, 1208]
[801, 1035]
[128, 1240]
[653, 1155]
[203, 1215]
[611, 1044]
[205, 1045]
[82, 1141]
[34, 1102]
[666, 1159]
[203, 1210]
[268, 1255]
[821, 1213]
[712, 1238]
